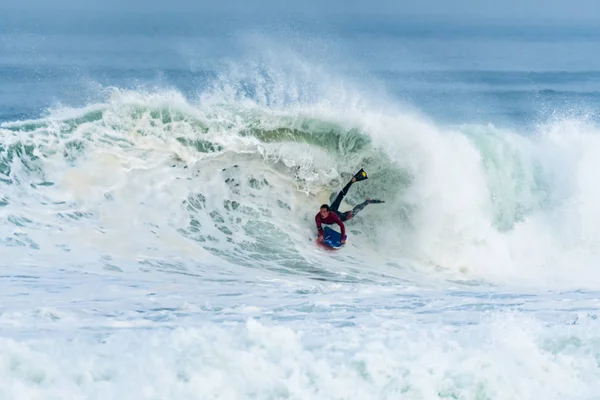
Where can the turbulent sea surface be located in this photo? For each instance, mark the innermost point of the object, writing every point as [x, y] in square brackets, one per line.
[159, 182]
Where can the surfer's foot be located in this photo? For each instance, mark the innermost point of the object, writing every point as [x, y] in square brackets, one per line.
[375, 201]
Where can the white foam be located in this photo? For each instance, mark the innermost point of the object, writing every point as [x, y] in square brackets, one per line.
[508, 357]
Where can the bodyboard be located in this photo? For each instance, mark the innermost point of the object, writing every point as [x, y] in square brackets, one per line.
[331, 239]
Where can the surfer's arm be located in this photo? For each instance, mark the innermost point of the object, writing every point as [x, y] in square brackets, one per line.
[319, 226]
[338, 221]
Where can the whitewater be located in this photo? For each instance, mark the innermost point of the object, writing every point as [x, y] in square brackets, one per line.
[158, 242]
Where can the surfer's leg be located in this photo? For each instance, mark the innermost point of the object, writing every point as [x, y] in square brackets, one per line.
[359, 207]
[345, 216]
[349, 214]
[338, 200]
[360, 175]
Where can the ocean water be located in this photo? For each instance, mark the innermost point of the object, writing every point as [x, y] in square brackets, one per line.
[159, 177]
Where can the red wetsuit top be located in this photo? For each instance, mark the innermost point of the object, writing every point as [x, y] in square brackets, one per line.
[332, 218]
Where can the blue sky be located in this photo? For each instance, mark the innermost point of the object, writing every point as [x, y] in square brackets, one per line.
[540, 10]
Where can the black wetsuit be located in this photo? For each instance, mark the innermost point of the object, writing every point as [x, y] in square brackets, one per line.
[345, 216]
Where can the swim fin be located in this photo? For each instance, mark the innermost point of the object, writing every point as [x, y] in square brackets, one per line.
[361, 175]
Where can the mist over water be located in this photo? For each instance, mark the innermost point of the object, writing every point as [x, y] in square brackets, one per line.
[157, 208]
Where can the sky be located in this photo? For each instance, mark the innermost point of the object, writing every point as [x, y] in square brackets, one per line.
[532, 10]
